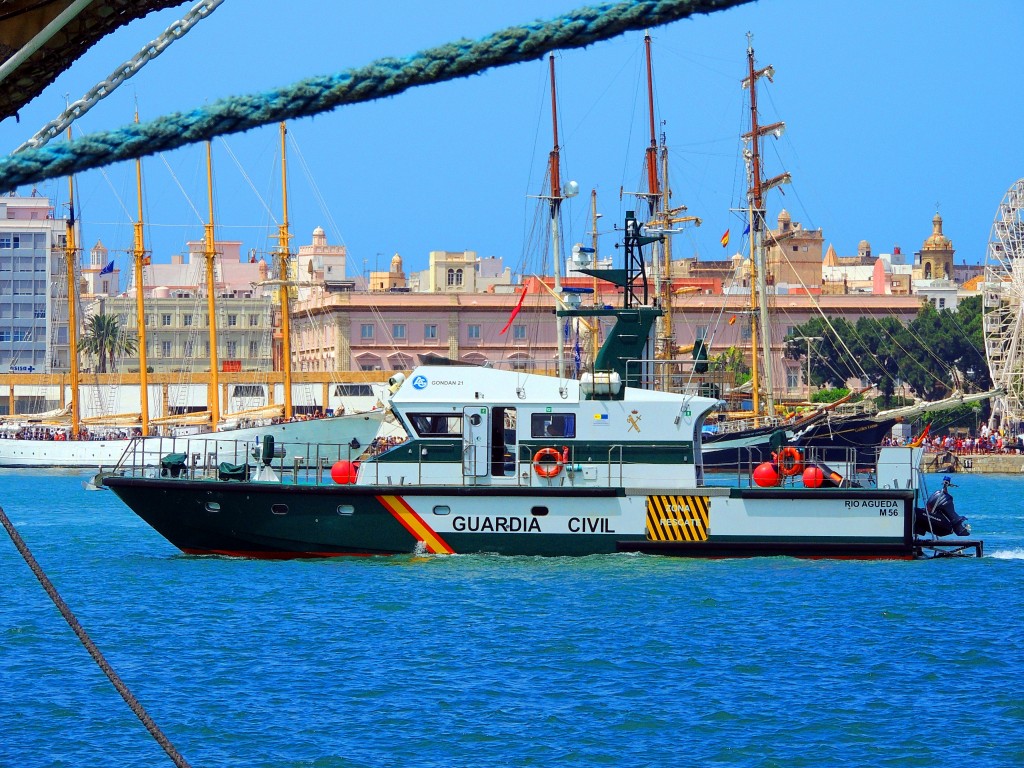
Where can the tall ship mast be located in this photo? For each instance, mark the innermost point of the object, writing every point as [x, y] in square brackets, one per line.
[71, 257]
[140, 260]
[211, 297]
[651, 165]
[283, 271]
[555, 204]
[661, 218]
[760, 328]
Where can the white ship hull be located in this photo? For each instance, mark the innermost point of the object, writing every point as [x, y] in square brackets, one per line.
[235, 445]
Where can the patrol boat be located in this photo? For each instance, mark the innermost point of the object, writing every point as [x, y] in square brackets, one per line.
[514, 463]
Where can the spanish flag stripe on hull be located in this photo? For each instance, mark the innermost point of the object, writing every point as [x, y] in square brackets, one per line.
[415, 524]
[678, 518]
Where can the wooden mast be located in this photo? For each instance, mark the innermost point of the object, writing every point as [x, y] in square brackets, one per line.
[753, 214]
[651, 154]
[756, 212]
[70, 255]
[213, 396]
[667, 341]
[555, 202]
[139, 254]
[653, 193]
[282, 255]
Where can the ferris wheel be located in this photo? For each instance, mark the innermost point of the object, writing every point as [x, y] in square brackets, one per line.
[1004, 306]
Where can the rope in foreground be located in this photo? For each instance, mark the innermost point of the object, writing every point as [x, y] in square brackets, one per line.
[381, 78]
[90, 646]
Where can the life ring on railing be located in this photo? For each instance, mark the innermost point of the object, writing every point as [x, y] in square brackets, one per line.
[791, 462]
[547, 469]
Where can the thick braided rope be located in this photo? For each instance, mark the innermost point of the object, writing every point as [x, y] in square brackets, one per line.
[384, 77]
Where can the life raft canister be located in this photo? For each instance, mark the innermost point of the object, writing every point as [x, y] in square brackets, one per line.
[791, 462]
[547, 462]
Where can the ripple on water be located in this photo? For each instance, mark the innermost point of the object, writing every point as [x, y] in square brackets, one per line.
[479, 661]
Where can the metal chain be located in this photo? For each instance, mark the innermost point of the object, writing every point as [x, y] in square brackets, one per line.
[104, 88]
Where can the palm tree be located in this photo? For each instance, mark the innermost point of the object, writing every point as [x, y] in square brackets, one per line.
[105, 338]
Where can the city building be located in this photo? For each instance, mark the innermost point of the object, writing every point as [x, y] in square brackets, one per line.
[793, 257]
[461, 272]
[467, 309]
[33, 318]
[177, 316]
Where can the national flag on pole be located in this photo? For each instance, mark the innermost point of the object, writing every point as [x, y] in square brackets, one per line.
[725, 239]
[746, 229]
[732, 320]
[515, 311]
[146, 261]
[917, 441]
[109, 269]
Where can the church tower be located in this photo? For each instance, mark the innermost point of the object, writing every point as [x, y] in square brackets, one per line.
[936, 255]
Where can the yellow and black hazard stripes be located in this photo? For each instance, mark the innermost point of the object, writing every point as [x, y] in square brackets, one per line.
[415, 524]
[677, 518]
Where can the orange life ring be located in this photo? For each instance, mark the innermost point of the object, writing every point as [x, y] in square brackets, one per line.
[547, 470]
[790, 461]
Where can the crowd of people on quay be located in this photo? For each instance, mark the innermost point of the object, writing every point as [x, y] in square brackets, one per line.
[986, 441]
[59, 434]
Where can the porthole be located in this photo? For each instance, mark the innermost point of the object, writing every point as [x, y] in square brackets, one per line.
[442, 509]
[212, 506]
[346, 509]
[538, 511]
[279, 509]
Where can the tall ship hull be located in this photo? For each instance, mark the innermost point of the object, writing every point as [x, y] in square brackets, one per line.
[729, 451]
[356, 430]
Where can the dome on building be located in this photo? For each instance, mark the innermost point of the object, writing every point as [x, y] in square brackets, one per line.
[937, 240]
[784, 217]
[319, 238]
[396, 263]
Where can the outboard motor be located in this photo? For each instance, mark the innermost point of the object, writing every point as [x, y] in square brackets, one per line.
[939, 514]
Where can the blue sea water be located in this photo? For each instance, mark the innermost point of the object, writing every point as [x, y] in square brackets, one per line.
[487, 661]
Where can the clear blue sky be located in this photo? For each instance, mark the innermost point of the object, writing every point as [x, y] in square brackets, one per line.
[891, 108]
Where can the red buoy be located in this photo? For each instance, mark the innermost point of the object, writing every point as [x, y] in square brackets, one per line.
[766, 475]
[344, 472]
[813, 477]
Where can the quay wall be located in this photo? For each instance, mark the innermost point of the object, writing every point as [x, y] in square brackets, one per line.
[978, 464]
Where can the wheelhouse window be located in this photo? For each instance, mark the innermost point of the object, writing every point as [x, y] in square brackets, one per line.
[353, 390]
[553, 425]
[437, 424]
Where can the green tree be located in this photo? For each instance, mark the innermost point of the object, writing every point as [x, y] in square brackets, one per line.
[834, 357]
[106, 340]
[934, 354]
[732, 360]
